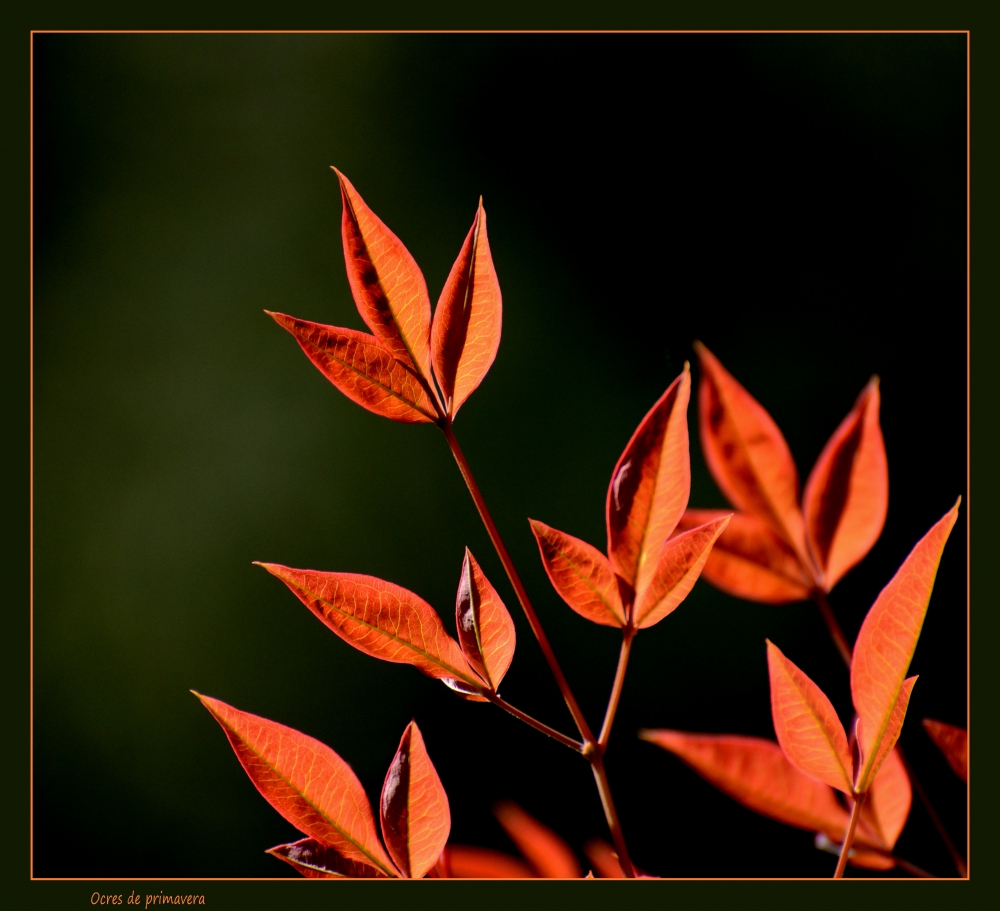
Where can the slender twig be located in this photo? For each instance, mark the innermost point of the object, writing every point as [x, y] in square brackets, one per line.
[601, 777]
[910, 868]
[845, 848]
[534, 722]
[515, 580]
[839, 640]
[628, 633]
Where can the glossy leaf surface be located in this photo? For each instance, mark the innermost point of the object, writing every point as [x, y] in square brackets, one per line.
[467, 862]
[807, 726]
[650, 487]
[466, 330]
[746, 452]
[680, 563]
[314, 860]
[361, 367]
[756, 773]
[379, 619]
[550, 856]
[847, 494]
[581, 574]
[416, 819]
[603, 859]
[305, 781]
[750, 560]
[885, 646]
[485, 628]
[953, 742]
[387, 284]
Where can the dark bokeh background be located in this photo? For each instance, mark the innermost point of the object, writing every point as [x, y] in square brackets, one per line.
[796, 202]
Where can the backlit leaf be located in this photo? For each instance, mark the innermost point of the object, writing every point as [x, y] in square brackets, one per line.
[678, 567]
[387, 284]
[847, 494]
[485, 628]
[361, 367]
[467, 862]
[416, 819]
[542, 848]
[885, 646]
[650, 487]
[604, 859]
[466, 330]
[887, 806]
[756, 773]
[379, 619]
[581, 574]
[316, 861]
[953, 742]
[807, 726]
[306, 782]
[750, 560]
[746, 452]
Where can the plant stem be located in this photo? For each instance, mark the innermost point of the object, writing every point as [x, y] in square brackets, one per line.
[604, 788]
[534, 722]
[845, 650]
[845, 848]
[628, 633]
[515, 580]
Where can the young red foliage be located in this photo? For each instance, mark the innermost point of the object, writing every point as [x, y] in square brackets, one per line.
[603, 859]
[953, 742]
[468, 862]
[485, 629]
[547, 853]
[774, 551]
[314, 860]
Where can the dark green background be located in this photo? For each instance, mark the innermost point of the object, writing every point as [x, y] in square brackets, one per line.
[796, 202]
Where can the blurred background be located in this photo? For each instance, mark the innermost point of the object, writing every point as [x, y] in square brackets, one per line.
[797, 202]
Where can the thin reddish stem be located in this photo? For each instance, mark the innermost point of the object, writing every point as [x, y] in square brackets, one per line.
[845, 848]
[515, 580]
[836, 633]
[604, 788]
[628, 634]
[534, 722]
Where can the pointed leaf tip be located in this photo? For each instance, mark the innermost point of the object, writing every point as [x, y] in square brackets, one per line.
[484, 625]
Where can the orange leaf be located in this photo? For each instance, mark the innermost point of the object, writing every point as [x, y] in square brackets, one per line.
[306, 782]
[750, 560]
[953, 742]
[416, 819]
[386, 282]
[885, 646]
[466, 862]
[485, 629]
[315, 861]
[746, 452]
[650, 487]
[542, 848]
[361, 367]
[847, 494]
[887, 806]
[581, 574]
[680, 563]
[379, 619]
[756, 773]
[807, 726]
[466, 330]
[603, 858]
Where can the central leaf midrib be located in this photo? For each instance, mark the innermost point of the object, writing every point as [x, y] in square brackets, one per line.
[586, 580]
[822, 729]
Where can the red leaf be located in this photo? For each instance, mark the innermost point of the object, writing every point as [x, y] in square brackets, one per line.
[678, 567]
[315, 861]
[581, 574]
[416, 819]
[885, 646]
[847, 494]
[756, 773]
[750, 560]
[650, 487]
[485, 628]
[953, 742]
[386, 282]
[466, 331]
[746, 452]
[807, 726]
[466, 862]
[887, 806]
[306, 782]
[604, 859]
[379, 619]
[361, 367]
[542, 848]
